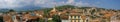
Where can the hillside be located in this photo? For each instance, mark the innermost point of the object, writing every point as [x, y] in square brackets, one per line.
[92, 12]
[63, 12]
[65, 7]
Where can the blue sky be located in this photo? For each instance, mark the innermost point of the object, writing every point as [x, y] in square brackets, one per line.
[109, 4]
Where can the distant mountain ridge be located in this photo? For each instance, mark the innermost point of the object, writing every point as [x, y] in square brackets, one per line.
[25, 8]
[32, 8]
[4, 10]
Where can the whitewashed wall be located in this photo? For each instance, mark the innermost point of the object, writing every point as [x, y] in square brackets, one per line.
[65, 21]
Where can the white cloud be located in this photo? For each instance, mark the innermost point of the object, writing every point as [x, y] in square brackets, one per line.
[14, 3]
[43, 3]
[70, 1]
[5, 3]
[39, 3]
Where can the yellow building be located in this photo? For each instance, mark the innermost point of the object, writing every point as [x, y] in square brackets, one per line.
[77, 15]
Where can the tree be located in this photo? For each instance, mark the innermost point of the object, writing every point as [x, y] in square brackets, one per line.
[11, 10]
[50, 21]
[56, 18]
[65, 7]
[41, 20]
[1, 19]
[46, 13]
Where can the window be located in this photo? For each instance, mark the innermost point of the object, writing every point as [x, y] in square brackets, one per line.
[74, 17]
[78, 17]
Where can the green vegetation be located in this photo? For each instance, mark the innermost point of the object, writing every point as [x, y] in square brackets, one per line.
[41, 20]
[51, 21]
[11, 10]
[1, 19]
[56, 18]
[65, 7]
